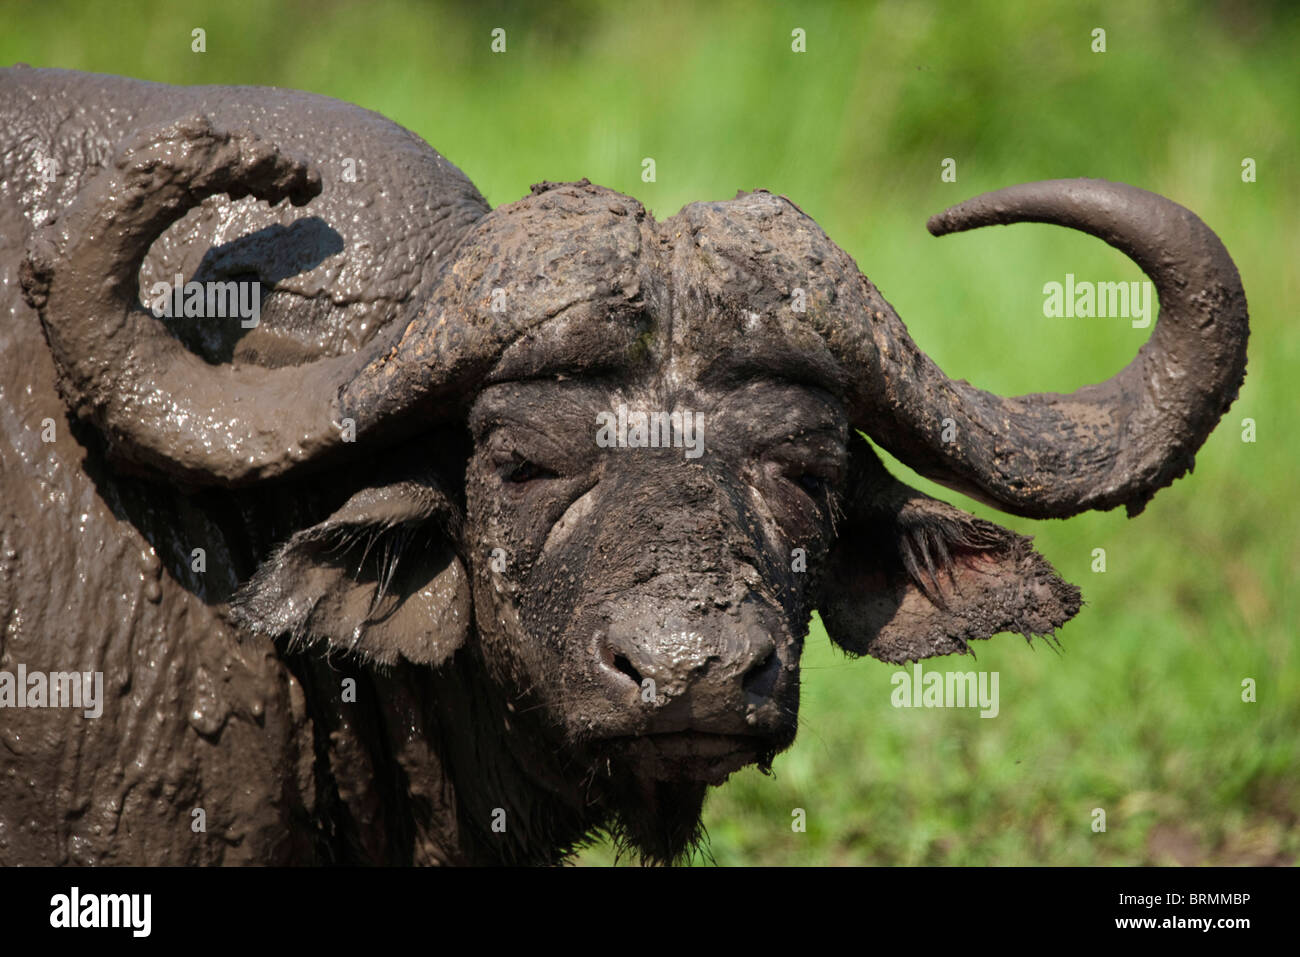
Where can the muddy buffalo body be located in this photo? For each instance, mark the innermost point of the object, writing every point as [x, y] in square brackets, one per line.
[485, 531]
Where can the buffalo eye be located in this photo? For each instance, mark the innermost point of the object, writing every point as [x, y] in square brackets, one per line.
[813, 479]
[520, 471]
[812, 484]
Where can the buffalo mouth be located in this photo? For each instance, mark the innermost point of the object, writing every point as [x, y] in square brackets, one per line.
[692, 755]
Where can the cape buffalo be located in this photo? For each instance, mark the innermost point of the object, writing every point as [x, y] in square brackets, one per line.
[406, 530]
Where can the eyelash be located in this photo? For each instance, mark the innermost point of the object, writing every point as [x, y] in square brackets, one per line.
[809, 479]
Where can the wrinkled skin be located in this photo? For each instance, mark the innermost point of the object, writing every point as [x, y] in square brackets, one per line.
[479, 614]
[95, 558]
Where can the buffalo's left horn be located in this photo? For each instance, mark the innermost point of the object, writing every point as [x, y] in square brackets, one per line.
[1048, 455]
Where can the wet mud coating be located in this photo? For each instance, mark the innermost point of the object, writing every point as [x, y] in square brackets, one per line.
[479, 532]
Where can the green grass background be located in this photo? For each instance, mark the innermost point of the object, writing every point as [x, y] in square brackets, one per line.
[1140, 714]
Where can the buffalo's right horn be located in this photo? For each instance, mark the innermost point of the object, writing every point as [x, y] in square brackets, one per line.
[159, 404]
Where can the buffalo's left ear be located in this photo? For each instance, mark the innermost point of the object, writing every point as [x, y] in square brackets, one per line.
[379, 578]
[911, 577]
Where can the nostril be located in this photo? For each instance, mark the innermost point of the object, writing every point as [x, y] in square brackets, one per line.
[622, 664]
[760, 679]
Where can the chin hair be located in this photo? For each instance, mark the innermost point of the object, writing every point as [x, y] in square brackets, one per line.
[658, 822]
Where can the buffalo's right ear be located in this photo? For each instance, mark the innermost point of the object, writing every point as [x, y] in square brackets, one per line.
[379, 578]
[911, 577]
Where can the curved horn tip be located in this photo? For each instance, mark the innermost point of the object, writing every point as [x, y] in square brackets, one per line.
[83, 278]
[214, 161]
[1136, 432]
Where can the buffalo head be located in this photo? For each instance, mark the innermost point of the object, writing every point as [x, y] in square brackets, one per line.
[618, 463]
